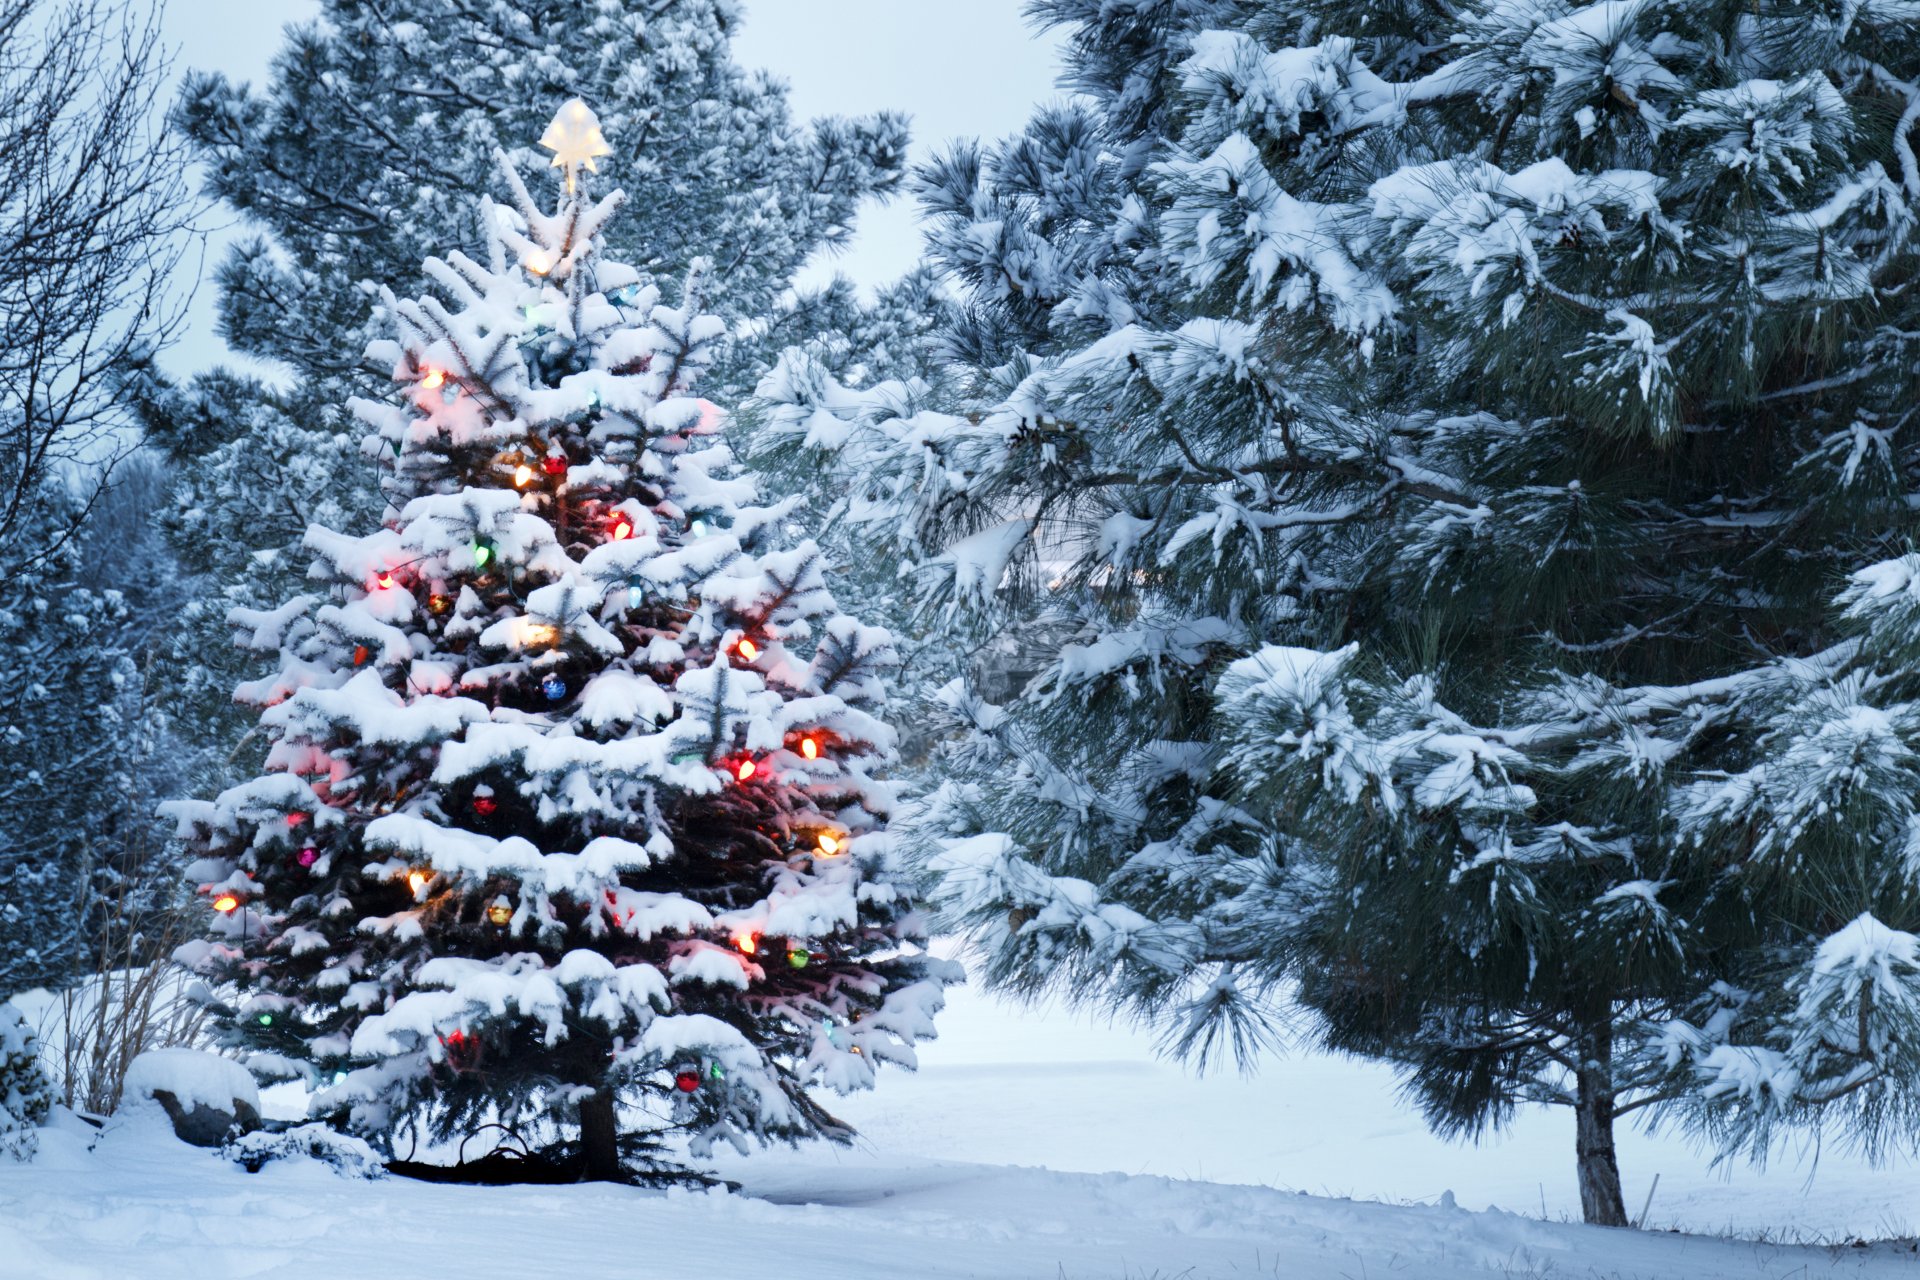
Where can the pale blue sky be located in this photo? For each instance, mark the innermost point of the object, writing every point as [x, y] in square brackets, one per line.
[960, 69]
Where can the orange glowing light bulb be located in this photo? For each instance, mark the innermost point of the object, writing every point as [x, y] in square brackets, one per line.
[226, 904]
[417, 880]
[748, 649]
[745, 771]
[434, 379]
[747, 943]
[810, 748]
[829, 843]
[522, 475]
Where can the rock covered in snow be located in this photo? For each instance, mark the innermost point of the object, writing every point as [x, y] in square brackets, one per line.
[206, 1097]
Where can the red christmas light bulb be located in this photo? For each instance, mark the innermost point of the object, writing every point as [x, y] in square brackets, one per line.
[746, 770]
[622, 529]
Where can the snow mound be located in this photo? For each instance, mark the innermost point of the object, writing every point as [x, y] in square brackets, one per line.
[193, 1077]
[348, 1156]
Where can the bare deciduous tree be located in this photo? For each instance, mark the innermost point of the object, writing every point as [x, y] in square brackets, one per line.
[94, 216]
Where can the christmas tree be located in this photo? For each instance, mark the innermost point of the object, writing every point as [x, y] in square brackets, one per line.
[572, 798]
[1425, 564]
[354, 160]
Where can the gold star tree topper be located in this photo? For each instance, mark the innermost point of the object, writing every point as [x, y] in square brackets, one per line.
[574, 138]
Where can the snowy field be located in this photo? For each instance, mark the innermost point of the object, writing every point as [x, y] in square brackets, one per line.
[1005, 1085]
[1027, 1147]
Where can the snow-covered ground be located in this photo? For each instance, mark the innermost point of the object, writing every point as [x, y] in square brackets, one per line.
[1153, 1174]
[1005, 1085]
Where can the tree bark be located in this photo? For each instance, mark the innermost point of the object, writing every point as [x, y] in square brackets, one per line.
[1601, 1202]
[598, 1134]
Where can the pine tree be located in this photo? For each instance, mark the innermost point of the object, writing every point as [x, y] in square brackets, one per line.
[353, 163]
[1426, 568]
[572, 798]
[1042, 236]
[1083, 524]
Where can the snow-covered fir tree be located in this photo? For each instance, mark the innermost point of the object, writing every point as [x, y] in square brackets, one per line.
[573, 800]
[1416, 446]
[353, 163]
[26, 1096]
[76, 752]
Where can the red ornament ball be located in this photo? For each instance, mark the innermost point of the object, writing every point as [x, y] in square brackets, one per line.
[485, 805]
[554, 465]
[686, 1081]
[464, 1052]
[308, 856]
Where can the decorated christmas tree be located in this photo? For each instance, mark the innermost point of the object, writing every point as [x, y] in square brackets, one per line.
[572, 814]
[353, 160]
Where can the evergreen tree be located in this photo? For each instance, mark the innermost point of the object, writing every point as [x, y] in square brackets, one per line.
[572, 793]
[25, 1093]
[92, 201]
[71, 743]
[357, 159]
[354, 163]
[1427, 566]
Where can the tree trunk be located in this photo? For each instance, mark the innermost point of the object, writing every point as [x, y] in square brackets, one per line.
[1600, 1199]
[597, 1138]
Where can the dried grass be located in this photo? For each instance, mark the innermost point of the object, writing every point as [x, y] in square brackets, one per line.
[134, 1000]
